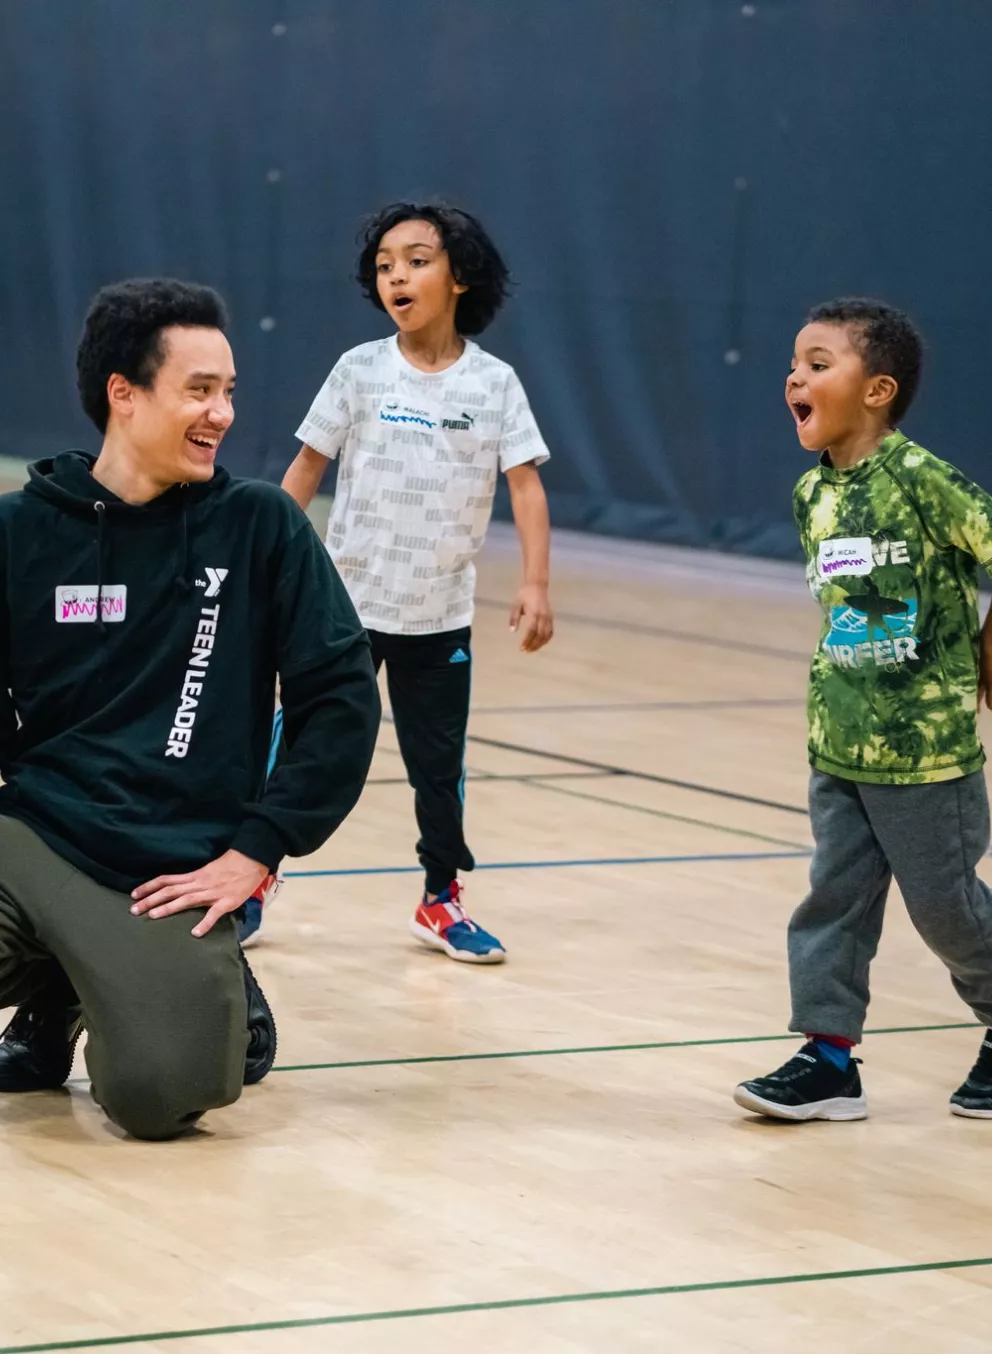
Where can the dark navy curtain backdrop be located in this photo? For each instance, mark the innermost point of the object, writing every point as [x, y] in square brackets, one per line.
[672, 181]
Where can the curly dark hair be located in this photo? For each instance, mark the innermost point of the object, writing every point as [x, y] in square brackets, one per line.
[888, 341]
[123, 334]
[475, 261]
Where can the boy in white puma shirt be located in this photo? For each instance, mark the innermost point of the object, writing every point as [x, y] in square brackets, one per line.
[423, 422]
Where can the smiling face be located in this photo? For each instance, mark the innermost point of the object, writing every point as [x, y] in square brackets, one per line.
[414, 278]
[830, 395]
[176, 425]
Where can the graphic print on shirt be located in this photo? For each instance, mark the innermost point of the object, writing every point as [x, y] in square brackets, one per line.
[872, 623]
[184, 720]
[870, 628]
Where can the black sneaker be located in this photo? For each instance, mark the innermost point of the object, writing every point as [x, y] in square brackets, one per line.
[37, 1046]
[261, 1030]
[808, 1086]
[973, 1098]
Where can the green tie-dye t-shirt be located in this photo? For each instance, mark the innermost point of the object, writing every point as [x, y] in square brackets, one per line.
[893, 547]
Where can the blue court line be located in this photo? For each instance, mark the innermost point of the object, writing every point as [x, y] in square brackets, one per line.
[631, 707]
[562, 864]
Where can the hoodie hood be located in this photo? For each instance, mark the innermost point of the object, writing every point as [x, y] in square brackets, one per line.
[67, 481]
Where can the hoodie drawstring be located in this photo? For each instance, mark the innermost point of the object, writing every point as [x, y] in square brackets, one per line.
[101, 514]
[183, 582]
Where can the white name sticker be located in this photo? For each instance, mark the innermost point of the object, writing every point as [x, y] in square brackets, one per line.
[846, 555]
[77, 604]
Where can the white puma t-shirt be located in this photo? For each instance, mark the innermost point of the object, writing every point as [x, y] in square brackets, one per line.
[420, 452]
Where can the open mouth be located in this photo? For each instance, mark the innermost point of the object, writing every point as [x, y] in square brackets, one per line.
[402, 302]
[205, 441]
[802, 412]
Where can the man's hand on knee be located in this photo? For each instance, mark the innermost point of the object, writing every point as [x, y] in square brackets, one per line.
[220, 887]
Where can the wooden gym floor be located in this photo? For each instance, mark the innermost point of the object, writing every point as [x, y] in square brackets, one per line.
[544, 1156]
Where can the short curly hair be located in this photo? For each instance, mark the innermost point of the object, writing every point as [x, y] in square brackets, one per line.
[475, 261]
[123, 334]
[888, 341]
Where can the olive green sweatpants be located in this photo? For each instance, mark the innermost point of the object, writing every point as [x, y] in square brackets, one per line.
[165, 1013]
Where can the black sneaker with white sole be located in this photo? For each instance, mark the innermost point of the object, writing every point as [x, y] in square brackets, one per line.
[261, 1052]
[37, 1046]
[808, 1086]
[973, 1098]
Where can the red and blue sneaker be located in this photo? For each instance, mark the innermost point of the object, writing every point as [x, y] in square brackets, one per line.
[249, 914]
[445, 925]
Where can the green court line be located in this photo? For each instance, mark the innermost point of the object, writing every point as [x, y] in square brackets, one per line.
[596, 1048]
[585, 1048]
[554, 788]
[503, 1305]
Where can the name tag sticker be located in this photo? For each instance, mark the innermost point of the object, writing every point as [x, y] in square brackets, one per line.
[846, 555]
[75, 605]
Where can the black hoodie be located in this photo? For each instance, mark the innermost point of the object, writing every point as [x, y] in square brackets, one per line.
[139, 648]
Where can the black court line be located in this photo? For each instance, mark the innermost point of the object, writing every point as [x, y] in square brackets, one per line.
[527, 777]
[623, 707]
[725, 642]
[650, 776]
[554, 788]
[503, 1305]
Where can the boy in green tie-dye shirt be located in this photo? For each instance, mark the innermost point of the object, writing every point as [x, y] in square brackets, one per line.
[893, 539]
[893, 546]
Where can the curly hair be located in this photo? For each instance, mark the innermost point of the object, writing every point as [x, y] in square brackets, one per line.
[475, 261]
[123, 334]
[888, 341]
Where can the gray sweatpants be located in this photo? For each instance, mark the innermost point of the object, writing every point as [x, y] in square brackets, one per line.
[930, 838]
